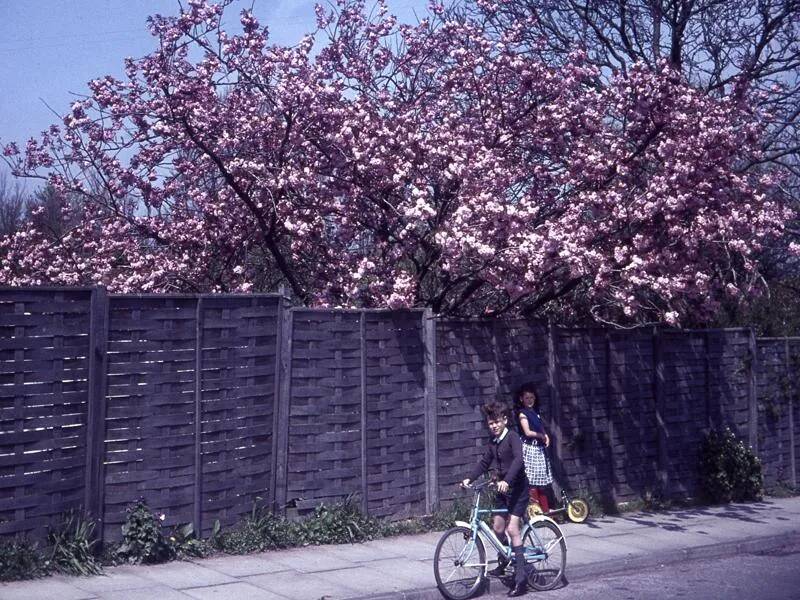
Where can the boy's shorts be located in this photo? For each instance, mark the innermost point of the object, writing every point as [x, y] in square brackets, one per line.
[516, 501]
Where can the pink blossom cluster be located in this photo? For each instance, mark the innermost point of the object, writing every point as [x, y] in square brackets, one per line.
[400, 165]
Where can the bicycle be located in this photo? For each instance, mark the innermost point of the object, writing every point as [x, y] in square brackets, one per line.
[577, 509]
[460, 565]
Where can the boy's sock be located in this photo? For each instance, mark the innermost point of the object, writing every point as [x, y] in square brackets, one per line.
[519, 567]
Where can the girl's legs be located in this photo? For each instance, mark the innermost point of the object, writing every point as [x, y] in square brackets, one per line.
[543, 502]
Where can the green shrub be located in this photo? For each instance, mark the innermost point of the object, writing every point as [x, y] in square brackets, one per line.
[71, 546]
[142, 539]
[21, 559]
[342, 523]
[729, 470]
[260, 531]
[185, 544]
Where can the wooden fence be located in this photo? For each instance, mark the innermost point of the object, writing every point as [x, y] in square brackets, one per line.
[200, 405]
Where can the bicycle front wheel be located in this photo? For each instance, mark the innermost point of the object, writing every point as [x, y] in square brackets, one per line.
[547, 566]
[459, 563]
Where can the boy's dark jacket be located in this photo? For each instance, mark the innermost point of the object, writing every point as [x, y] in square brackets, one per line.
[507, 458]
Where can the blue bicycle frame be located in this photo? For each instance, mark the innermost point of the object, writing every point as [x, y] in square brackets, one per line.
[479, 527]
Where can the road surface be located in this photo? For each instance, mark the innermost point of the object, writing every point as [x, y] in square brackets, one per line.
[774, 575]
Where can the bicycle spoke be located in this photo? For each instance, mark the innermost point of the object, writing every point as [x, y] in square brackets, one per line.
[549, 546]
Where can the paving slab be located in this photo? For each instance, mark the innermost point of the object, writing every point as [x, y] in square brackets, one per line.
[232, 591]
[360, 553]
[414, 547]
[310, 586]
[313, 560]
[125, 577]
[156, 592]
[51, 588]
[241, 566]
[366, 578]
[179, 575]
[419, 573]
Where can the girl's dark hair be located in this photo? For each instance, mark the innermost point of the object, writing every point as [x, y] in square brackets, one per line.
[525, 387]
[494, 411]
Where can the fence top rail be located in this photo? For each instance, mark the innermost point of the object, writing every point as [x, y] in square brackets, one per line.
[787, 338]
[354, 310]
[184, 296]
[45, 288]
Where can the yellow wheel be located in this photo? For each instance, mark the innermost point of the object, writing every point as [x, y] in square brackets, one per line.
[577, 510]
[534, 510]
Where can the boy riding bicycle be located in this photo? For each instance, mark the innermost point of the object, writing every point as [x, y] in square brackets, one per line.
[504, 451]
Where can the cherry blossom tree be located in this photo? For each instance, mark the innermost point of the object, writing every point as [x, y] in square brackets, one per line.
[386, 164]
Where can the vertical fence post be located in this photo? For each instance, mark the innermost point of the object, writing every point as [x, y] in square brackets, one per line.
[280, 427]
[710, 419]
[659, 397]
[790, 399]
[276, 394]
[612, 392]
[555, 399]
[495, 360]
[431, 413]
[198, 418]
[94, 497]
[363, 383]
[752, 399]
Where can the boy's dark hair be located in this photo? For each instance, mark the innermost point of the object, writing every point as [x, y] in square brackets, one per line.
[494, 411]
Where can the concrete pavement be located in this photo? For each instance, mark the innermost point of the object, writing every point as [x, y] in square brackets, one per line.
[401, 567]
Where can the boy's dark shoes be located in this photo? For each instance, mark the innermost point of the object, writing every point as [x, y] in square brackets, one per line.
[519, 589]
[498, 571]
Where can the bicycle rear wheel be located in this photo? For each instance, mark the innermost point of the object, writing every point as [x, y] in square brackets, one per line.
[459, 563]
[545, 571]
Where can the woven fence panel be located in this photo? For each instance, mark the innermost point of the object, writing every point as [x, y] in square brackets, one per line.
[684, 411]
[239, 337]
[729, 359]
[150, 414]
[582, 385]
[324, 460]
[632, 414]
[44, 364]
[794, 365]
[466, 379]
[521, 348]
[776, 386]
[522, 358]
[395, 386]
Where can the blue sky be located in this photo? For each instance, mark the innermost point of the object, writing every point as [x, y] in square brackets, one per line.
[49, 49]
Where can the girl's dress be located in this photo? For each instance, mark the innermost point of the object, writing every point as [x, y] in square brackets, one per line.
[537, 467]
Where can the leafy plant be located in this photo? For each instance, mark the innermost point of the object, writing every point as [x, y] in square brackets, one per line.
[142, 539]
[71, 546]
[183, 542]
[729, 470]
[21, 558]
[260, 531]
[341, 523]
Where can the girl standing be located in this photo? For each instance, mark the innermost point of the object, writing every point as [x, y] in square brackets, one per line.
[535, 440]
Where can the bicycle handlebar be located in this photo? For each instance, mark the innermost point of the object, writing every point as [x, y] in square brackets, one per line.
[478, 486]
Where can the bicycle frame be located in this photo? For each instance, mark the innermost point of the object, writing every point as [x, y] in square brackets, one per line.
[480, 528]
